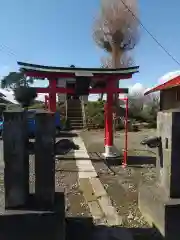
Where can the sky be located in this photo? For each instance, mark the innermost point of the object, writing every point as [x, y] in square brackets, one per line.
[59, 33]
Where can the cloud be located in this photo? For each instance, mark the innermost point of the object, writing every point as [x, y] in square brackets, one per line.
[8, 95]
[137, 88]
[168, 76]
[41, 97]
[93, 97]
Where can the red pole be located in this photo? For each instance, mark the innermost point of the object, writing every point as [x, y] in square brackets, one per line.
[52, 95]
[105, 123]
[126, 135]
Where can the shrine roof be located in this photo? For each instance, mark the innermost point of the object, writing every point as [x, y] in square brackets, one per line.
[174, 82]
[27, 67]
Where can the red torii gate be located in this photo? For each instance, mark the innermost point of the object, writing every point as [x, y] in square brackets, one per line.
[111, 76]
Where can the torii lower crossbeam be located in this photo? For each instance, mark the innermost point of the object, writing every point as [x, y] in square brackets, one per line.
[110, 91]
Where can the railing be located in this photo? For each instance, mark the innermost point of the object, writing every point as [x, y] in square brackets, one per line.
[66, 106]
[83, 112]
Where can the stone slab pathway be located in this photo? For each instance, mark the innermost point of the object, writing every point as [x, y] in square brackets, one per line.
[94, 193]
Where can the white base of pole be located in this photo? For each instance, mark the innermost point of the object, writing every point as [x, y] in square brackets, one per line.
[109, 152]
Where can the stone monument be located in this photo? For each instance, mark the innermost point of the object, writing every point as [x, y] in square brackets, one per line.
[160, 201]
[16, 159]
[25, 215]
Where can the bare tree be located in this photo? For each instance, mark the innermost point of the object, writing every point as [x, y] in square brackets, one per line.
[106, 62]
[116, 30]
[126, 60]
[143, 108]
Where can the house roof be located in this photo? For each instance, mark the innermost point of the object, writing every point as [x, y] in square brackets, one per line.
[173, 81]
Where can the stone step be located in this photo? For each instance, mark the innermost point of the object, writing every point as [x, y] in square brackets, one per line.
[73, 116]
[70, 101]
[74, 104]
[76, 120]
[74, 110]
[77, 127]
[76, 123]
[74, 107]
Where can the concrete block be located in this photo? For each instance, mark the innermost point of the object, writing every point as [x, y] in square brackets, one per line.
[160, 211]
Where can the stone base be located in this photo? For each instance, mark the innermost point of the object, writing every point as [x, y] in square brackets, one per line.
[160, 211]
[32, 223]
[109, 152]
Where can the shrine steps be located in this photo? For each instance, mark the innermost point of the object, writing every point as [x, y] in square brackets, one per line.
[74, 114]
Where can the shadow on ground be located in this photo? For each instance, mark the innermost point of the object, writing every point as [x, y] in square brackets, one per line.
[141, 160]
[62, 147]
[96, 157]
[133, 161]
[84, 229]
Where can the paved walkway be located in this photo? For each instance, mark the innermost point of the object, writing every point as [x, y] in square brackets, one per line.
[94, 193]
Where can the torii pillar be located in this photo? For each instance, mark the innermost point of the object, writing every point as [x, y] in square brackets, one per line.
[52, 95]
[108, 117]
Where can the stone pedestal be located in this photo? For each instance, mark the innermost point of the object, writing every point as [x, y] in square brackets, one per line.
[32, 223]
[40, 215]
[160, 203]
[16, 159]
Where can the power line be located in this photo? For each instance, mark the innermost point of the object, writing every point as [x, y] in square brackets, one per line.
[151, 35]
[141, 24]
[4, 48]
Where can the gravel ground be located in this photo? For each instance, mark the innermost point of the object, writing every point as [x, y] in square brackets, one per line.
[122, 184]
[66, 177]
